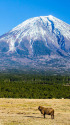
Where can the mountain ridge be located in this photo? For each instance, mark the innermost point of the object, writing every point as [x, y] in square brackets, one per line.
[40, 42]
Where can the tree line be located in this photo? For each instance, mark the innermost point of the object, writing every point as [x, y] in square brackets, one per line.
[34, 86]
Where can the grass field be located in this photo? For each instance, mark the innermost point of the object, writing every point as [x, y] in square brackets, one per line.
[25, 111]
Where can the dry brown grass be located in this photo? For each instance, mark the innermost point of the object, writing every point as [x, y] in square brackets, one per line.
[25, 112]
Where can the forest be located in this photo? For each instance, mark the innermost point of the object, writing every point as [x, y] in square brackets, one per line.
[34, 86]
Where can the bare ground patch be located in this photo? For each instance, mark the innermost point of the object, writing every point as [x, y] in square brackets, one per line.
[25, 112]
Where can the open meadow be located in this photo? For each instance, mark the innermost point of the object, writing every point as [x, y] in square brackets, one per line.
[25, 111]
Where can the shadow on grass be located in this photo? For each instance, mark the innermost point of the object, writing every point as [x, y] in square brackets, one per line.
[37, 117]
[33, 117]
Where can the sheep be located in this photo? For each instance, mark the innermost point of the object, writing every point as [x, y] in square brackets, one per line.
[48, 111]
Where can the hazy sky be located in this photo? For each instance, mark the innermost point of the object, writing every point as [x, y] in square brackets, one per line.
[14, 12]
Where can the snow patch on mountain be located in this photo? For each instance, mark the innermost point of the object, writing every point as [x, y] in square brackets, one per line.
[45, 32]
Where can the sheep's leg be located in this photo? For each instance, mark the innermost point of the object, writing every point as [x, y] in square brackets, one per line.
[44, 115]
[52, 116]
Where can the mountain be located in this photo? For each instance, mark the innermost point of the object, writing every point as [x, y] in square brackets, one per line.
[40, 44]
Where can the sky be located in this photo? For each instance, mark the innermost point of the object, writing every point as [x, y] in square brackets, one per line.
[14, 12]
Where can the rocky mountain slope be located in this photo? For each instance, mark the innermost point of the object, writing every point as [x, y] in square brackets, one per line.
[39, 43]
